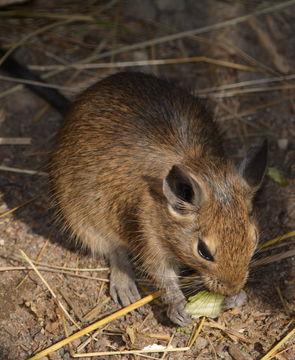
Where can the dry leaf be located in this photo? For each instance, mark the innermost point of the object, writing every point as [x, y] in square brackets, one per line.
[131, 334]
[276, 176]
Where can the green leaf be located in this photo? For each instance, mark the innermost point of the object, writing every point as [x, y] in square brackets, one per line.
[184, 330]
[205, 303]
[276, 176]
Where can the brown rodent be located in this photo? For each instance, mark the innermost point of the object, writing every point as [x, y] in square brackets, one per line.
[139, 170]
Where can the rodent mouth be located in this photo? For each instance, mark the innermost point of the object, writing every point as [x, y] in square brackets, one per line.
[229, 292]
[190, 279]
[221, 287]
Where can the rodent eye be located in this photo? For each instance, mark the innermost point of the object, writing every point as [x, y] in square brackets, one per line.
[185, 192]
[204, 252]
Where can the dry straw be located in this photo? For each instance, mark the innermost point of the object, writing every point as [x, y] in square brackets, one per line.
[96, 325]
[278, 239]
[108, 319]
[22, 171]
[152, 42]
[103, 322]
[128, 309]
[124, 64]
[20, 206]
[272, 352]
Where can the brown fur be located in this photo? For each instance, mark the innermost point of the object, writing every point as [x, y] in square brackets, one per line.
[114, 150]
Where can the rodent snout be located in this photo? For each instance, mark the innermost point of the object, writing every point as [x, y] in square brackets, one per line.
[231, 290]
[225, 287]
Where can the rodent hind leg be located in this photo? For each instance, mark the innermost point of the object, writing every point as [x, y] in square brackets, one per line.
[123, 288]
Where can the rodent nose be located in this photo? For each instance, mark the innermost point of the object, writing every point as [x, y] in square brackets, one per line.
[232, 291]
[228, 288]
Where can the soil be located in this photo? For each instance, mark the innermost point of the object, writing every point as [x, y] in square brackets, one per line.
[30, 319]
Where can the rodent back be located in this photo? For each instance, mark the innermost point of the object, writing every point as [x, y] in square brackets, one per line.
[140, 118]
[131, 129]
[123, 129]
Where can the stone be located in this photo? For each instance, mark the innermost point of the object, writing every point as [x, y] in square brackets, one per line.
[283, 143]
[200, 343]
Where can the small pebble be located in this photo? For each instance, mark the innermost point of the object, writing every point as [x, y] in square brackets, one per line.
[200, 343]
[283, 143]
[3, 206]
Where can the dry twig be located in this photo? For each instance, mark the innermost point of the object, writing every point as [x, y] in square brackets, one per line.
[22, 171]
[123, 64]
[245, 83]
[15, 141]
[21, 268]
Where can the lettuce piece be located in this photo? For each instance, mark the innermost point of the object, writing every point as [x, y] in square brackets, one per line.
[205, 303]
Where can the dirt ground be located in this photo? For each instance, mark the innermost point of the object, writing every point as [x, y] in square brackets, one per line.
[103, 32]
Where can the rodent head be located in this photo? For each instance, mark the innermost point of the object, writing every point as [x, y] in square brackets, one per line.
[210, 224]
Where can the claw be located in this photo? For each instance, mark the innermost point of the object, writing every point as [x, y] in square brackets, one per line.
[123, 288]
[177, 314]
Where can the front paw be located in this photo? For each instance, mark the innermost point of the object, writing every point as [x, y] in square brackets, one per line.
[235, 301]
[123, 288]
[177, 314]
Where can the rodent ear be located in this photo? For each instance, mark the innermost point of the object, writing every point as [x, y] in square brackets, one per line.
[179, 188]
[253, 166]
